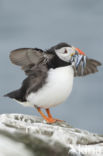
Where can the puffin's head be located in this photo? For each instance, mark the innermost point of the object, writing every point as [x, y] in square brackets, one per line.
[70, 54]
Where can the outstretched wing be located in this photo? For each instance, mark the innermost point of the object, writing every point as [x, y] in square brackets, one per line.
[90, 68]
[28, 58]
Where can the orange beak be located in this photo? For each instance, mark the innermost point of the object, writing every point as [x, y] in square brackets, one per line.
[80, 51]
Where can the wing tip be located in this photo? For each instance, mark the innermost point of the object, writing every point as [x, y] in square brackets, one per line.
[97, 63]
[12, 58]
[91, 67]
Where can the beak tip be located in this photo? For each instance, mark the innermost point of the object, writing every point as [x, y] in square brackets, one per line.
[80, 51]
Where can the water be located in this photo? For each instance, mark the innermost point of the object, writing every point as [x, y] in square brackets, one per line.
[43, 24]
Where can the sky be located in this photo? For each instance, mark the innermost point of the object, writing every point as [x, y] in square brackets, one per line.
[43, 24]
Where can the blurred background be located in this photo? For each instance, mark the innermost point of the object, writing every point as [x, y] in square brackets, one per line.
[42, 24]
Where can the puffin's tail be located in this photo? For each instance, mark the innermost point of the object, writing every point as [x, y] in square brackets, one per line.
[15, 95]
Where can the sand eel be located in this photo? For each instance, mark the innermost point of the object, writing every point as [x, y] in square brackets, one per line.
[50, 75]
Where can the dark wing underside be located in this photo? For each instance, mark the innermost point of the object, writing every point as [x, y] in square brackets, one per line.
[91, 67]
[29, 58]
[31, 84]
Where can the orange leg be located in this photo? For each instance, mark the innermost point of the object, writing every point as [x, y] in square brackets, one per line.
[49, 119]
[50, 116]
[48, 112]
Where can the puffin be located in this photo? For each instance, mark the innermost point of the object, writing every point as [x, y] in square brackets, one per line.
[49, 75]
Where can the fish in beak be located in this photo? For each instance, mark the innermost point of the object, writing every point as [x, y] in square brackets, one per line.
[79, 59]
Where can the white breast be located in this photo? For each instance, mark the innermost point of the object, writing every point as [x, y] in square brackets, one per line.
[57, 88]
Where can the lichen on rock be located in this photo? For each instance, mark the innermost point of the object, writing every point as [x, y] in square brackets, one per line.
[24, 135]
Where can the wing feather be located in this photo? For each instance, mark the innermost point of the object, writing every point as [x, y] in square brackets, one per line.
[26, 56]
[29, 58]
[91, 67]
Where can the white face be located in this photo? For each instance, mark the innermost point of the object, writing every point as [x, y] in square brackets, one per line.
[65, 53]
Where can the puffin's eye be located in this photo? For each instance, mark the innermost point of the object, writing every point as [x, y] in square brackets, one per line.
[65, 52]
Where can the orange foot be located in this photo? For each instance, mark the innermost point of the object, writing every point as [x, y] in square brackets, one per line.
[49, 119]
[50, 116]
[59, 120]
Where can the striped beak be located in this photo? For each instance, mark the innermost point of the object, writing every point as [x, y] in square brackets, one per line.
[79, 58]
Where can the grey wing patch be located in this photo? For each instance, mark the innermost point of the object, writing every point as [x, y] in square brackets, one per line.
[28, 58]
[25, 56]
[90, 68]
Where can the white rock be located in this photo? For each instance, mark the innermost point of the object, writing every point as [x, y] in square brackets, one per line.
[17, 126]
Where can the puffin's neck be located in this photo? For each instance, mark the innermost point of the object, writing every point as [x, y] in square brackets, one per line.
[55, 62]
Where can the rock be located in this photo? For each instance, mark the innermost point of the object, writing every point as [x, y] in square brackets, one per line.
[24, 135]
